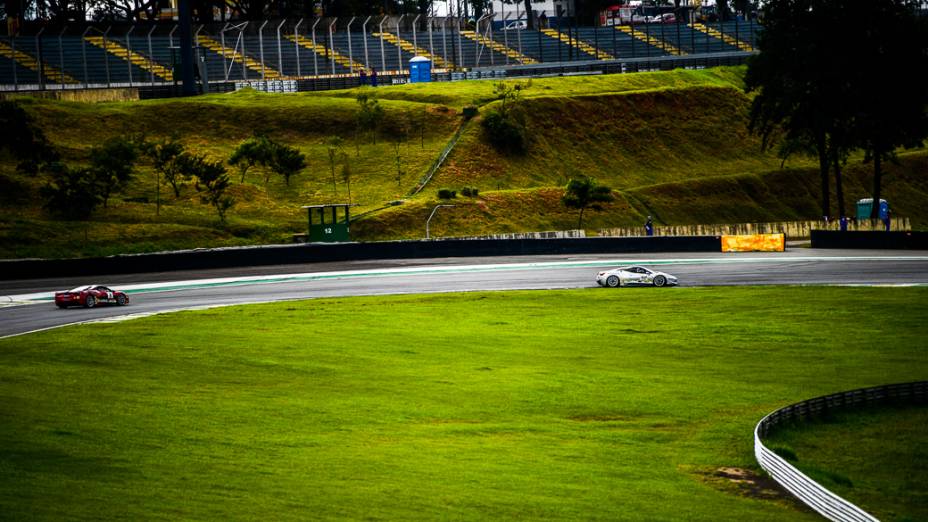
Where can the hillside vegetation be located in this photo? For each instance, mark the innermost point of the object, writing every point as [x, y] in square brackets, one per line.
[673, 144]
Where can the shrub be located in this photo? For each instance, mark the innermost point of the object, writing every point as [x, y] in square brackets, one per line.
[470, 192]
[445, 193]
[72, 193]
[465, 192]
[505, 131]
[469, 112]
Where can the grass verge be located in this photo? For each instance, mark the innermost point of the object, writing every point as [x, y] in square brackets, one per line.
[871, 457]
[595, 404]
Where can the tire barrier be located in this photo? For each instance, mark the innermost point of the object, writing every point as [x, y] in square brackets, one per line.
[811, 493]
[329, 252]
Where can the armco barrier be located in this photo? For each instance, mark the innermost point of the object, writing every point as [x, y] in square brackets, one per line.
[807, 490]
[886, 240]
[319, 252]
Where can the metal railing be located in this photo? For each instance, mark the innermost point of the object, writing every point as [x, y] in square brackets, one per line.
[144, 55]
[811, 493]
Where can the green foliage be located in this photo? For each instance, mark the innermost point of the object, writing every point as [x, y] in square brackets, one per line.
[113, 164]
[505, 124]
[446, 193]
[72, 193]
[23, 139]
[165, 156]
[212, 181]
[470, 192]
[287, 161]
[582, 193]
[370, 115]
[256, 150]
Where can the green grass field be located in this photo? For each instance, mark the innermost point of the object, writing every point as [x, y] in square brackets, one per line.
[854, 455]
[573, 404]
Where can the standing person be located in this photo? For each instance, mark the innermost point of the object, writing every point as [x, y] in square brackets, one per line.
[649, 227]
[363, 76]
[843, 223]
[886, 220]
[374, 78]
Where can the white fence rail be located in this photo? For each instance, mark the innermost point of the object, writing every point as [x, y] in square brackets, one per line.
[823, 501]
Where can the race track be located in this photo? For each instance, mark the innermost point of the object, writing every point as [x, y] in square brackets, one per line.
[28, 307]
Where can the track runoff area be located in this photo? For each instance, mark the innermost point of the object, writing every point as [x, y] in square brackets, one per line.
[27, 306]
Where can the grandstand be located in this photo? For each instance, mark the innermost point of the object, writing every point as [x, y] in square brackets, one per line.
[93, 56]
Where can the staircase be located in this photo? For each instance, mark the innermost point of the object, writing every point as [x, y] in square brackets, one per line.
[29, 62]
[233, 54]
[407, 46]
[578, 43]
[634, 33]
[498, 47]
[137, 59]
[328, 53]
[730, 40]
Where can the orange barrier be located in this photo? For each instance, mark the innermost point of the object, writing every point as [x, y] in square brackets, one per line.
[754, 243]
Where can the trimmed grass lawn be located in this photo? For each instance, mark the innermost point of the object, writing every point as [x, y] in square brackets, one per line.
[592, 404]
[853, 454]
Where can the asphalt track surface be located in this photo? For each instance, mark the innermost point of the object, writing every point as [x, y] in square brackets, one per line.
[27, 309]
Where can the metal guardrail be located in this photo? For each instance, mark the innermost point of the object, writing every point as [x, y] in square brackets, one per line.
[820, 499]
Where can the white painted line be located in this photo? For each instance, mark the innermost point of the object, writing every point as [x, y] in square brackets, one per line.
[167, 286]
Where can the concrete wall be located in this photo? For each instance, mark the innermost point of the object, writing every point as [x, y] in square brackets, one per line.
[792, 229]
[79, 95]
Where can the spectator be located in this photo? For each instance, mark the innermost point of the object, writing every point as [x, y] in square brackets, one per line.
[374, 78]
[843, 222]
[886, 220]
[649, 227]
[363, 76]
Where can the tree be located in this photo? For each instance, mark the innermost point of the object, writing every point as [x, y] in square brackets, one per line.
[212, 181]
[166, 159]
[346, 175]
[505, 124]
[892, 38]
[23, 138]
[333, 149]
[369, 116]
[812, 89]
[796, 81]
[113, 165]
[72, 193]
[256, 150]
[582, 193]
[287, 161]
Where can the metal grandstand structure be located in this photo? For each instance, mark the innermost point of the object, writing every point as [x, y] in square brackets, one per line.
[332, 53]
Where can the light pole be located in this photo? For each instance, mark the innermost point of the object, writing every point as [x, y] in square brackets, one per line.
[429, 220]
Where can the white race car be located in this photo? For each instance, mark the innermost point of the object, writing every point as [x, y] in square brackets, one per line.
[634, 276]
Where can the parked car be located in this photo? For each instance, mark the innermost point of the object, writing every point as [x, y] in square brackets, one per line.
[515, 25]
[90, 296]
[634, 276]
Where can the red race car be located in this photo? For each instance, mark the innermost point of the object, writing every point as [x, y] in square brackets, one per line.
[90, 296]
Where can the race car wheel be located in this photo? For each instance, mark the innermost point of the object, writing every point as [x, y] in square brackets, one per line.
[90, 302]
[660, 281]
[121, 300]
[612, 281]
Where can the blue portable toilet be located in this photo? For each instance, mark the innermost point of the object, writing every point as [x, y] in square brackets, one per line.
[865, 205]
[420, 69]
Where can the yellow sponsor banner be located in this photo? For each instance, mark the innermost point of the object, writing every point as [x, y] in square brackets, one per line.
[754, 243]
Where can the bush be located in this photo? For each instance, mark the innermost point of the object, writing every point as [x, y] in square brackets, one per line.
[465, 192]
[506, 132]
[470, 192]
[445, 193]
[469, 112]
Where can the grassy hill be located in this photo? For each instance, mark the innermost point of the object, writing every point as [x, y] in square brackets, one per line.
[673, 144]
